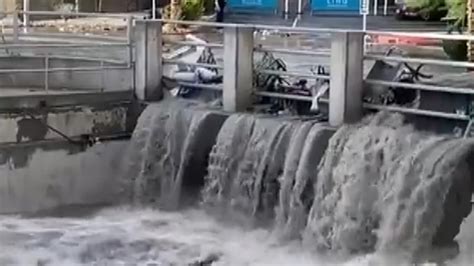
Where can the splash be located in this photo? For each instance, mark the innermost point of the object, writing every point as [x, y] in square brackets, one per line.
[168, 152]
[376, 186]
[123, 236]
[261, 164]
[382, 185]
[373, 193]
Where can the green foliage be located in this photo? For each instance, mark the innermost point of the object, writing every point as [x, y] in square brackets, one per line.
[209, 6]
[192, 9]
[457, 10]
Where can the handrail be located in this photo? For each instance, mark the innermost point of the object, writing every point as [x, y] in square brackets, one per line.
[293, 74]
[200, 85]
[415, 60]
[78, 14]
[427, 35]
[63, 45]
[55, 41]
[319, 30]
[417, 86]
[178, 62]
[91, 59]
[413, 111]
[292, 51]
[288, 96]
[59, 69]
[198, 44]
[256, 27]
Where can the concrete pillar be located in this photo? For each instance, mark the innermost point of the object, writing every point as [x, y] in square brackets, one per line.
[238, 68]
[346, 91]
[148, 60]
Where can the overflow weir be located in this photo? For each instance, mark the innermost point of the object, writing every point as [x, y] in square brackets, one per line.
[371, 179]
[375, 185]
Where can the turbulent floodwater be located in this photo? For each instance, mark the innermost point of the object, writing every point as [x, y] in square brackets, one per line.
[150, 237]
[284, 191]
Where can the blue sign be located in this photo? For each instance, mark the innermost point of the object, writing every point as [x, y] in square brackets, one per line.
[336, 6]
[253, 4]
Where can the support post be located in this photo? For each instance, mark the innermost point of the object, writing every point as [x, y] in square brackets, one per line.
[286, 9]
[130, 40]
[346, 91]
[238, 68]
[26, 16]
[148, 62]
[153, 9]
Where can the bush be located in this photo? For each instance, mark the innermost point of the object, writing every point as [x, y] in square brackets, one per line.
[209, 6]
[456, 49]
[457, 10]
[192, 9]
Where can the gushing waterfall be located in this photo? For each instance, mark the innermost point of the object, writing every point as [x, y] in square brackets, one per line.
[378, 185]
[168, 152]
[202, 187]
[382, 185]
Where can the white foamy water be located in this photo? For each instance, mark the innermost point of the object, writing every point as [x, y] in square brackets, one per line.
[287, 192]
[151, 237]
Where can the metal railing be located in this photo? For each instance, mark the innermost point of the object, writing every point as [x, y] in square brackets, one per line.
[193, 44]
[232, 58]
[428, 86]
[256, 49]
[24, 40]
[367, 57]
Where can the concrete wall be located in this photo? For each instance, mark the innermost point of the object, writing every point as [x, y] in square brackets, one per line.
[41, 177]
[73, 122]
[108, 80]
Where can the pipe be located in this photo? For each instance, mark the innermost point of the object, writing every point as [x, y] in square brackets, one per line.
[376, 7]
[286, 10]
[385, 7]
[300, 7]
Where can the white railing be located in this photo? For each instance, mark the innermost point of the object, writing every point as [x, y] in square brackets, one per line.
[467, 91]
[346, 56]
[353, 54]
[22, 37]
